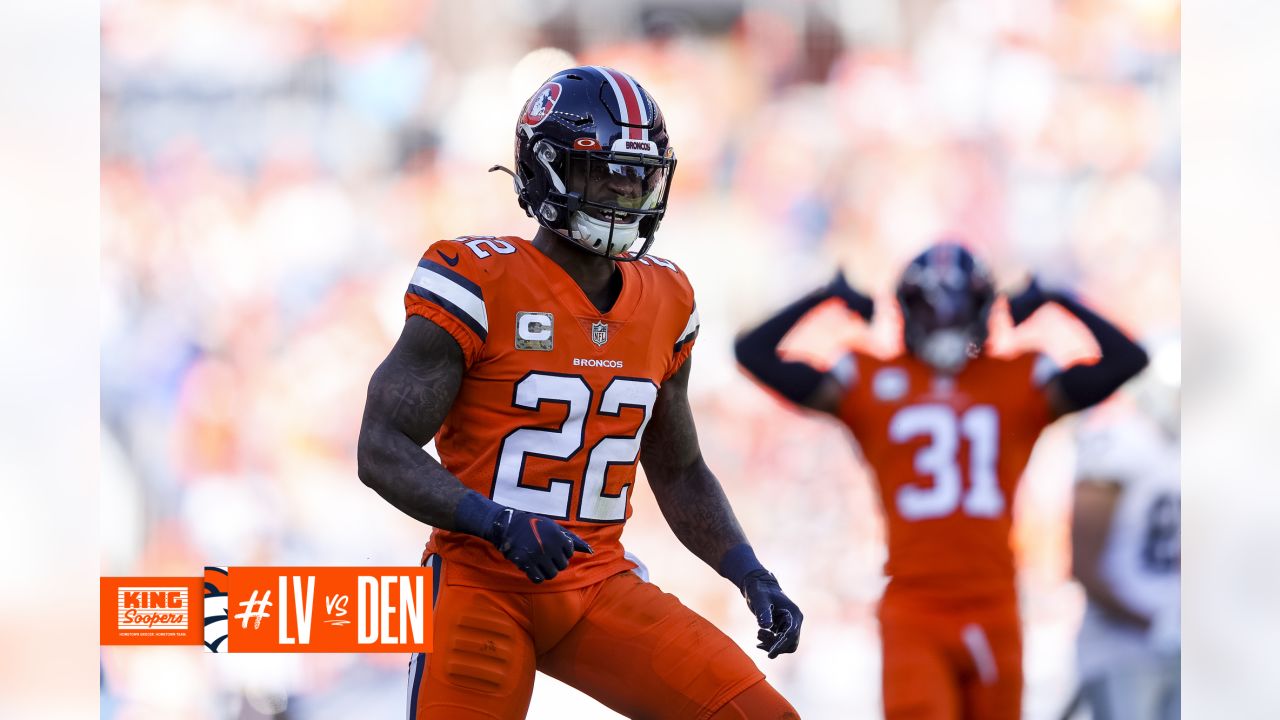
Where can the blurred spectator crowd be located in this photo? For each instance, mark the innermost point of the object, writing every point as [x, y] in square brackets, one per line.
[272, 170]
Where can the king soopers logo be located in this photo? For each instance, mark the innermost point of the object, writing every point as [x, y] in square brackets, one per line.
[153, 608]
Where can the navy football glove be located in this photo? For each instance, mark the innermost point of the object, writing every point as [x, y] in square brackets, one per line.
[1026, 302]
[778, 617]
[839, 287]
[537, 545]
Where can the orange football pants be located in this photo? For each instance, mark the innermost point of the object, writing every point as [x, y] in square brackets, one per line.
[622, 641]
[953, 663]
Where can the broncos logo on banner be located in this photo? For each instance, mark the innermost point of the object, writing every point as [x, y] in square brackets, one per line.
[215, 609]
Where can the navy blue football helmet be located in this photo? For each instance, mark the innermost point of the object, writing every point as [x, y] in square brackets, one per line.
[946, 297]
[593, 162]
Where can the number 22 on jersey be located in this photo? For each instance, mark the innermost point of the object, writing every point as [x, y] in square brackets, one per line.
[594, 505]
[939, 459]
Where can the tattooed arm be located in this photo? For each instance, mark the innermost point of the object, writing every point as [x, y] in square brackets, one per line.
[409, 396]
[687, 492]
[699, 514]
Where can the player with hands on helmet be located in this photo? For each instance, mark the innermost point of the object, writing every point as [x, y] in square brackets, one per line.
[947, 429]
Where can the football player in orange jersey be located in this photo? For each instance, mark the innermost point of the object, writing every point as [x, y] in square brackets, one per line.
[947, 431]
[544, 369]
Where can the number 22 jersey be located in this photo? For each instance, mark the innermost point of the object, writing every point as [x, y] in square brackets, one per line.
[555, 397]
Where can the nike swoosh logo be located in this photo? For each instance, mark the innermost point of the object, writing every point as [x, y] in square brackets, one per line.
[451, 260]
[533, 523]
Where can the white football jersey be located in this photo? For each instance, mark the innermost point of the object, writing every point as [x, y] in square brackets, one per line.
[1142, 557]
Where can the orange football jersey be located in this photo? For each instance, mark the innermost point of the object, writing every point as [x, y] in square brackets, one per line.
[947, 454]
[556, 394]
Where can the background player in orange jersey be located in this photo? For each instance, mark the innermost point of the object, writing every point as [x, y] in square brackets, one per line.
[544, 369]
[947, 430]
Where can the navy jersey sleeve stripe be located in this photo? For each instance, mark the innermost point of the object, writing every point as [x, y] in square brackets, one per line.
[457, 278]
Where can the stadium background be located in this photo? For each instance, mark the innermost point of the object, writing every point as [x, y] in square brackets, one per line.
[272, 170]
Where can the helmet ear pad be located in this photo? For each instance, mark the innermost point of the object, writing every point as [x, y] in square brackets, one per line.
[535, 187]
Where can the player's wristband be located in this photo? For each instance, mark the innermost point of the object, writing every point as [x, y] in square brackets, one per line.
[476, 515]
[739, 562]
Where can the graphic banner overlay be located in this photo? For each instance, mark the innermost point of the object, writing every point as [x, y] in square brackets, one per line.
[315, 609]
[275, 609]
[150, 611]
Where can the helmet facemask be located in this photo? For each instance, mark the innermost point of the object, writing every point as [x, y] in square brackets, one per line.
[603, 201]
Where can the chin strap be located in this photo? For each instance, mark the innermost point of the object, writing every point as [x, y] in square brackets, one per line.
[624, 257]
[644, 250]
[507, 171]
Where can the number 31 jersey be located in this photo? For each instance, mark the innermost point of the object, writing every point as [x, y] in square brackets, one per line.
[947, 454]
[556, 394]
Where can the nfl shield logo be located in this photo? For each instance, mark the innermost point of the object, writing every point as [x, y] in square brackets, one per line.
[599, 333]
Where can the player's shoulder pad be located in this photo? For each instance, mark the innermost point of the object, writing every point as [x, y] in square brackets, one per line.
[454, 274]
[668, 276]
[852, 366]
[480, 257]
[668, 281]
[1043, 368]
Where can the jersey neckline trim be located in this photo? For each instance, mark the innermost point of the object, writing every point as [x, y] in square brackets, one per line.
[580, 304]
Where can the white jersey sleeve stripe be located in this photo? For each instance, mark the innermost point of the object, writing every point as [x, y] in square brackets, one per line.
[690, 330]
[452, 293]
[845, 371]
[1043, 371]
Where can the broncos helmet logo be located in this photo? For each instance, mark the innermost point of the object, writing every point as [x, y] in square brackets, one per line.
[541, 104]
